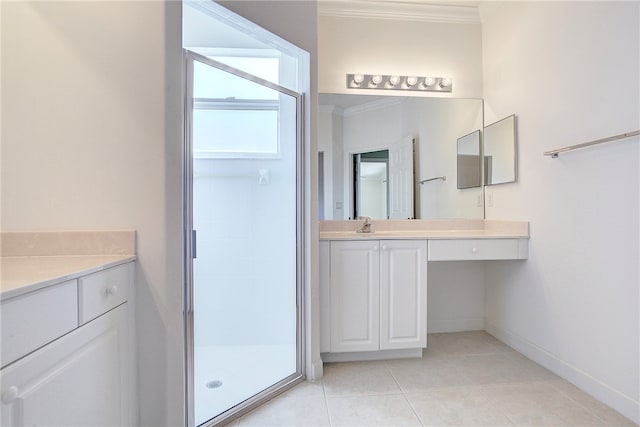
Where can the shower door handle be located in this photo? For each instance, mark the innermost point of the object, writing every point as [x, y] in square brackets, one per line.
[193, 244]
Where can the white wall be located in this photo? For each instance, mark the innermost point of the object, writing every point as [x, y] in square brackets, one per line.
[570, 72]
[91, 140]
[407, 47]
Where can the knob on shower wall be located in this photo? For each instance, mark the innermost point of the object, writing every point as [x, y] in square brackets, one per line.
[264, 177]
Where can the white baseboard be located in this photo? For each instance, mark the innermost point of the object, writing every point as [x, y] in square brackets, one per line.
[622, 403]
[316, 372]
[371, 355]
[455, 325]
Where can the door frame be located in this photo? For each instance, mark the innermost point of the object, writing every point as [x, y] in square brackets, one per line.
[190, 242]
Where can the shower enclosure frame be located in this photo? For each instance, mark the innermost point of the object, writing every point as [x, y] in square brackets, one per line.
[190, 246]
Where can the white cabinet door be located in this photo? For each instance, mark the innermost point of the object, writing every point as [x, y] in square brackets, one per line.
[355, 296]
[401, 180]
[403, 294]
[81, 379]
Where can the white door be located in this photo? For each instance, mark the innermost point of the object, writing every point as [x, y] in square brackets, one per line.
[401, 180]
[403, 294]
[81, 379]
[245, 204]
[355, 295]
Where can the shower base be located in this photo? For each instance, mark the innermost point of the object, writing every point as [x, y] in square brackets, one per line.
[225, 376]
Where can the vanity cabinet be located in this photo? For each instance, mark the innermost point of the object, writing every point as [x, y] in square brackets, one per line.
[85, 376]
[478, 249]
[377, 295]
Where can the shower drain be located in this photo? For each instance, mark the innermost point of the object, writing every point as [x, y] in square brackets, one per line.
[214, 384]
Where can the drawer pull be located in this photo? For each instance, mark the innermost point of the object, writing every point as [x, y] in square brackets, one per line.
[10, 394]
[112, 290]
[474, 250]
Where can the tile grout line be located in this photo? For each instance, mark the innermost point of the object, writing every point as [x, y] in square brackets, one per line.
[326, 404]
[404, 396]
[497, 408]
[577, 403]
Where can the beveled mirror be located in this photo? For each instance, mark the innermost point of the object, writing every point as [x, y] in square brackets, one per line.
[500, 150]
[468, 161]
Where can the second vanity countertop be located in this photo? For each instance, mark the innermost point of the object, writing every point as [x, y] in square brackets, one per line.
[21, 275]
[425, 229]
[35, 260]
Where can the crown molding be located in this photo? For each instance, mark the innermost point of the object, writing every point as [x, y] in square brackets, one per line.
[402, 10]
[330, 109]
[372, 106]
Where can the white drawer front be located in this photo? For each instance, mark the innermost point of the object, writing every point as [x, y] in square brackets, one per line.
[102, 291]
[32, 320]
[473, 249]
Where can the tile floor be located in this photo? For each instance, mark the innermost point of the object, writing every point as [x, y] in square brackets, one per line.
[463, 379]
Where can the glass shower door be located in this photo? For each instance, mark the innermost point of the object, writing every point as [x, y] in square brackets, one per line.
[242, 305]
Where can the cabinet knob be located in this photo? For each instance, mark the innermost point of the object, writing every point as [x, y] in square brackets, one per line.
[375, 248]
[10, 394]
[474, 250]
[112, 290]
[384, 247]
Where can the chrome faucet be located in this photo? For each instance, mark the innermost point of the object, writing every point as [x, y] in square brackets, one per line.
[366, 227]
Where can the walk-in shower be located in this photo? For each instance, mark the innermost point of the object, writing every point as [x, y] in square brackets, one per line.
[244, 202]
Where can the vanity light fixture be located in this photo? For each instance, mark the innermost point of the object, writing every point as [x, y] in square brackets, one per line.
[395, 82]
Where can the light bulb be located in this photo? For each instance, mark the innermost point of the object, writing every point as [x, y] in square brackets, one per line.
[376, 80]
[446, 82]
[429, 81]
[412, 81]
[357, 79]
[394, 80]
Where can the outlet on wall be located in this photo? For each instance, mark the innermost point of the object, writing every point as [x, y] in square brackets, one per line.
[490, 198]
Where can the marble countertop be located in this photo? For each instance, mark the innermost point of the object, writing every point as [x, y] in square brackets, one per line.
[20, 275]
[425, 229]
[419, 234]
[32, 260]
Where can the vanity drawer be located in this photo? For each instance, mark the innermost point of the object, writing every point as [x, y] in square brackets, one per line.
[102, 291]
[32, 320]
[474, 249]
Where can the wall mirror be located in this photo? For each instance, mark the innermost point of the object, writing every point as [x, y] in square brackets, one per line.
[468, 161]
[499, 140]
[420, 135]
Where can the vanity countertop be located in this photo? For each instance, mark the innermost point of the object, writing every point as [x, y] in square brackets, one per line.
[426, 229]
[35, 260]
[20, 275]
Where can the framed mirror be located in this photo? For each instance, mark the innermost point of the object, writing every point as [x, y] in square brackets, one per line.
[468, 161]
[500, 151]
[420, 134]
